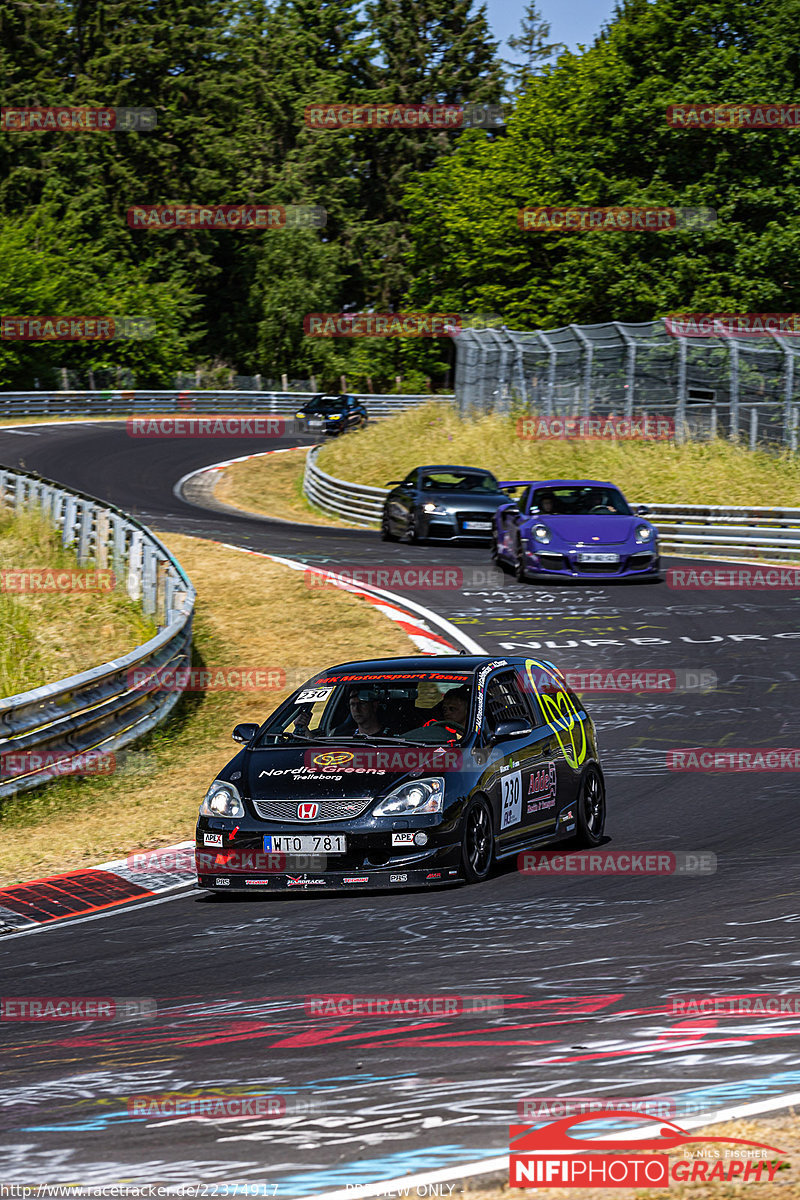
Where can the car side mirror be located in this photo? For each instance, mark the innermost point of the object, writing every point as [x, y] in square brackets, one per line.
[642, 510]
[513, 727]
[245, 732]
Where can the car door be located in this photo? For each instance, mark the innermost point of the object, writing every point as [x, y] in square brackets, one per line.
[523, 780]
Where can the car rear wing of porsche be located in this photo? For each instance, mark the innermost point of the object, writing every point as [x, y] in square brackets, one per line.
[515, 483]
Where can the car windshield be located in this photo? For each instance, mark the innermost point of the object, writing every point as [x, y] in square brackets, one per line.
[580, 500]
[326, 405]
[461, 481]
[418, 707]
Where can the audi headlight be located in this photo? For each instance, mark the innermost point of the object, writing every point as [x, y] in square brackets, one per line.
[542, 534]
[643, 533]
[412, 799]
[430, 507]
[222, 800]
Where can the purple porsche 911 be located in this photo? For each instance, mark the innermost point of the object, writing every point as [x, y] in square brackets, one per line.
[573, 529]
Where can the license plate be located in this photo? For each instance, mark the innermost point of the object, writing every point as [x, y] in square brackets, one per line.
[315, 424]
[477, 524]
[598, 558]
[305, 843]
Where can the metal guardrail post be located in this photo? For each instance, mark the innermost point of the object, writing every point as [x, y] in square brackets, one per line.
[734, 393]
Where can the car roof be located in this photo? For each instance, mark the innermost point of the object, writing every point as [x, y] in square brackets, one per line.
[453, 467]
[562, 483]
[463, 664]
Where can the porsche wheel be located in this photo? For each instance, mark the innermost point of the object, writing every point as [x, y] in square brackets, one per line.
[591, 818]
[477, 841]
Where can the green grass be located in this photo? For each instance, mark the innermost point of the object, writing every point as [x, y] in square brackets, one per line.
[717, 472]
[48, 636]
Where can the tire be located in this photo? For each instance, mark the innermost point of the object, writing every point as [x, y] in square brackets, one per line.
[591, 810]
[477, 841]
[386, 533]
[413, 535]
[519, 563]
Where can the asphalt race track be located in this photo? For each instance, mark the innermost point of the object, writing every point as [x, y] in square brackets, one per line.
[585, 966]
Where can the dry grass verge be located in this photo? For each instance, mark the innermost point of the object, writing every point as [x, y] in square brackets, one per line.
[45, 636]
[695, 473]
[250, 613]
[272, 485]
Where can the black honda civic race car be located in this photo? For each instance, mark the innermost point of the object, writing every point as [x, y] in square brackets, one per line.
[403, 772]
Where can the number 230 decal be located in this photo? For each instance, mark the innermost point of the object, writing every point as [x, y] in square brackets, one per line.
[512, 799]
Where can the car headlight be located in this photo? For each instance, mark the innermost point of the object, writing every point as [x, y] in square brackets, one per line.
[430, 507]
[335, 416]
[299, 416]
[411, 799]
[542, 534]
[643, 533]
[222, 800]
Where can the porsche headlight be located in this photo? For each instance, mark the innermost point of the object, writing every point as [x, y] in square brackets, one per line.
[412, 799]
[222, 800]
[542, 533]
[643, 533]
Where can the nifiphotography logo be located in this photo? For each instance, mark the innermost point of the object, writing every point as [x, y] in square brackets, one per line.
[550, 1157]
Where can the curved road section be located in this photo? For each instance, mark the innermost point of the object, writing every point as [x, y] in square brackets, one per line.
[585, 980]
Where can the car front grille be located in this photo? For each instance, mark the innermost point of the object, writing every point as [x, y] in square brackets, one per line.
[552, 562]
[329, 810]
[636, 561]
[599, 568]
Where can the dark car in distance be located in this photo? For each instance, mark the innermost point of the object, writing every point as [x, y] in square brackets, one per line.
[331, 415]
[444, 502]
[403, 772]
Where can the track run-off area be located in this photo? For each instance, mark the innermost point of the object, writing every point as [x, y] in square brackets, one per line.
[586, 967]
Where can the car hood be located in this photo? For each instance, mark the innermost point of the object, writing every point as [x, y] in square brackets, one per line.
[340, 771]
[595, 530]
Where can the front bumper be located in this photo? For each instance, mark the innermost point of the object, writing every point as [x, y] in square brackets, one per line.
[241, 863]
[450, 527]
[564, 564]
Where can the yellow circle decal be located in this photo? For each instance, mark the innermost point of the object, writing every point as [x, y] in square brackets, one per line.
[559, 712]
[336, 758]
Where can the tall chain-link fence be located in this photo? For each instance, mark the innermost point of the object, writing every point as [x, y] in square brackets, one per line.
[746, 388]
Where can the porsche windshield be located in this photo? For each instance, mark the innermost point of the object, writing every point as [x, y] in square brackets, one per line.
[420, 707]
[580, 501]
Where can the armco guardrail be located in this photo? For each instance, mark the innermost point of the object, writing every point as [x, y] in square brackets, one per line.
[122, 402]
[99, 708]
[772, 534]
